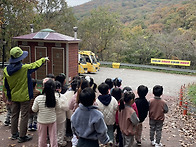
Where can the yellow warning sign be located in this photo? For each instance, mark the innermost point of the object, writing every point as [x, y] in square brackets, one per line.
[170, 62]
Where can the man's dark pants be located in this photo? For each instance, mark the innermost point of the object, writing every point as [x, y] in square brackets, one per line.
[20, 108]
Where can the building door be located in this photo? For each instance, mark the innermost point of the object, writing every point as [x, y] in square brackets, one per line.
[27, 60]
[39, 53]
[58, 61]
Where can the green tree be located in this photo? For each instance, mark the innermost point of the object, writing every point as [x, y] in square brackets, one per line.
[56, 15]
[17, 15]
[99, 31]
[142, 46]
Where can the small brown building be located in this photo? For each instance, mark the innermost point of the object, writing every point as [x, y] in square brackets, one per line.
[62, 51]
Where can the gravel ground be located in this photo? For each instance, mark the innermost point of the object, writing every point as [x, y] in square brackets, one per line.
[171, 136]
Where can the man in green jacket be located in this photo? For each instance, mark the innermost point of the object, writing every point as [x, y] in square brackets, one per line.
[18, 89]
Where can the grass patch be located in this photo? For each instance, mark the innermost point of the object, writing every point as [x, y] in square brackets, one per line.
[152, 69]
[192, 94]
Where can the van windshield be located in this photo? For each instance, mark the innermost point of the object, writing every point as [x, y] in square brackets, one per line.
[87, 58]
[93, 59]
[82, 60]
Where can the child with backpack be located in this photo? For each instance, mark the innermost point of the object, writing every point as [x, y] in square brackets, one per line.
[128, 119]
[126, 89]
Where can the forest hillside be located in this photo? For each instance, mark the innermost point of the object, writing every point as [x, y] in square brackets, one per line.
[143, 29]
[127, 31]
[128, 10]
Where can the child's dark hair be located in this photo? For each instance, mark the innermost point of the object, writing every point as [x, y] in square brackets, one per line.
[109, 82]
[117, 93]
[127, 88]
[57, 87]
[103, 88]
[142, 91]
[76, 78]
[87, 96]
[61, 78]
[50, 76]
[127, 97]
[74, 85]
[34, 82]
[93, 85]
[49, 91]
[157, 90]
[83, 84]
[117, 82]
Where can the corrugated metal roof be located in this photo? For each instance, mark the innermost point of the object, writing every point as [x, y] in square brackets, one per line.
[51, 36]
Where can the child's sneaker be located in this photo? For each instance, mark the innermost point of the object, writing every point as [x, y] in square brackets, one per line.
[63, 144]
[68, 138]
[110, 143]
[34, 127]
[158, 145]
[30, 128]
[153, 143]
[139, 143]
[6, 123]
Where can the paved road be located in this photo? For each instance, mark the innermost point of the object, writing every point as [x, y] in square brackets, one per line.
[133, 78]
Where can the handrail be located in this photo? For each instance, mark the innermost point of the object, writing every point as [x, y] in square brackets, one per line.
[5, 64]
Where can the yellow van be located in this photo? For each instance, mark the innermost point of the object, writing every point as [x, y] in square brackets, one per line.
[96, 60]
[98, 63]
[90, 60]
[82, 65]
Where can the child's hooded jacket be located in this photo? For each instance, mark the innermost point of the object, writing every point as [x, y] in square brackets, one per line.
[88, 123]
[108, 105]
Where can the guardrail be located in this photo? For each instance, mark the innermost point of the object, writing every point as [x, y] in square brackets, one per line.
[151, 66]
[138, 65]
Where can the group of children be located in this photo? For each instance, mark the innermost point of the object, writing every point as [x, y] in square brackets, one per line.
[115, 109]
[92, 116]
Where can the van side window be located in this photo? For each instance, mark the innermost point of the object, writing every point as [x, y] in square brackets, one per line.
[88, 60]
